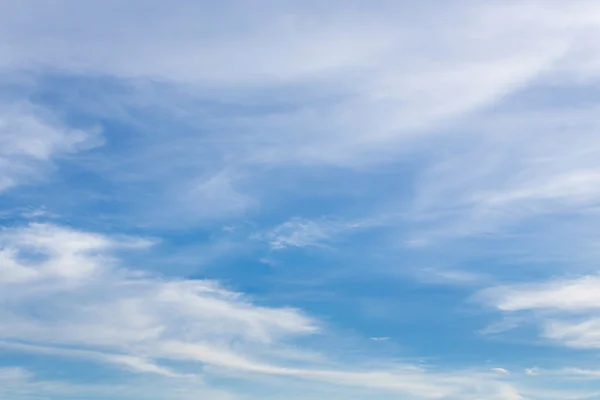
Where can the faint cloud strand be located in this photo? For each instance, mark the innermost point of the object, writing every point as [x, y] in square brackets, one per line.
[29, 143]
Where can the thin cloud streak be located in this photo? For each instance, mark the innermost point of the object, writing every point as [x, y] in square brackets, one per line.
[94, 309]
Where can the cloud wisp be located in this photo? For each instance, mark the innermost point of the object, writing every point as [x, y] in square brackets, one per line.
[29, 142]
[567, 310]
[64, 294]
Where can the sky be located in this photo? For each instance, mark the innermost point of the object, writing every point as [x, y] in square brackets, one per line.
[345, 200]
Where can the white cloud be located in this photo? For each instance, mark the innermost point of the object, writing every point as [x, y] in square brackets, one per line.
[38, 213]
[20, 384]
[574, 332]
[501, 326]
[502, 371]
[374, 84]
[388, 87]
[70, 298]
[214, 196]
[29, 142]
[204, 43]
[134, 363]
[579, 294]
[577, 373]
[444, 276]
[529, 164]
[303, 232]
[532, 371]
[89, 301]
[570, 373]
[568, 309]
[300, 232]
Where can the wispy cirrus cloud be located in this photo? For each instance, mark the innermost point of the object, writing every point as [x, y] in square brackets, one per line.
[70, 298]
[20, 383]
[381, 97]
[57, 259]
[566, 309]
[31, 141]
[528, 164]
[303, 232]
[373, 102]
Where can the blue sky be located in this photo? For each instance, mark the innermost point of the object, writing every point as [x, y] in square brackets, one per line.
[299, 200]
